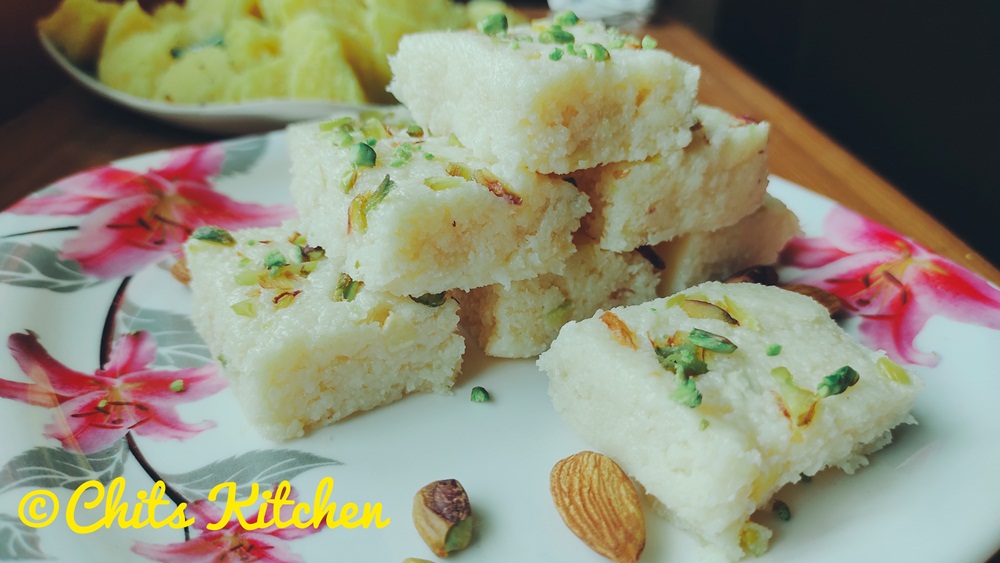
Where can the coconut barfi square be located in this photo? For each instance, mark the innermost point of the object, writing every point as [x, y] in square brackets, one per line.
[555, 96]
[520, 321]
[716, 397]
[304, 345]
[715, 255]
[715, 181]
[413, 213]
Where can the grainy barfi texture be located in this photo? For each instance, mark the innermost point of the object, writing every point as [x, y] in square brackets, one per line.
[715, 255]
[521, 321]
[303, 346]
[715, 181]
[715, 398]
[421, 214]
[553, 99]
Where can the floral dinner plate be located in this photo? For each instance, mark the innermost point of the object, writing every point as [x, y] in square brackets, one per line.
[105, 390]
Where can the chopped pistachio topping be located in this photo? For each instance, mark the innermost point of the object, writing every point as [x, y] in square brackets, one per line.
[892, 371]
[414, 130]
[773, 350]
[362, 204]
[343, 123]
[274, 260]
[374, 128]
[341, 138]
[711, 341]
[362, 154]
[493, 24]
[556, 34]
[648, 42]
[556, 54]
[480, 395]
[454, 142]
[379, 194]
[566, 18]
[683, 359]
[798, 405]
[428, 155]
[686, 393]
[438, 183]
[622, 333]
[838, 382]
[430, 299]
[596, 52]
[177, 385]
[222, 360]
[698, 309]
[616, 43]
[459, 170]
[402, 154]
[245, 308]
[703, 424]
[348, 179]
[496, 186]
[781, 510]
[214, 235]
[347, 288]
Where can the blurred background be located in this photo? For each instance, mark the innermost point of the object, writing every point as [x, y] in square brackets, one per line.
[911, 87]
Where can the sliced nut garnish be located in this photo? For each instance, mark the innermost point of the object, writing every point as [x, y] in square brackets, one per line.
[764, 275]
[443, 516]
[697, 309]
[599, 504]
[180, 271]
[622, 333]
[823, 297]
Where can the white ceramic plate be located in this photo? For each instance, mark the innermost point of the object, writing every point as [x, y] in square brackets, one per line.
[224, 118]
[931, 496]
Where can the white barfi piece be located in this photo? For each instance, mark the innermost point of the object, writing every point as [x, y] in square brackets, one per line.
[715, 398]
[427, 216]
[715, 181]
[521, 321]
[304, 346]
[715, 255]
[505, 95]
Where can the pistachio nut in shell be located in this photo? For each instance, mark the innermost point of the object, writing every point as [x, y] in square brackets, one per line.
[443, 516]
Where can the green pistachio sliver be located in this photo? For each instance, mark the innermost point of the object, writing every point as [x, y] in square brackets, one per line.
[378, 195]
[341, 138]
[556, 34]
[686, 392]
[428, 156]
[493, 24]
[773, 350]
[414, 130]
[648, 42]
[479, 395]
[402, 154]
[711, 341]
[781, 510]
[215, 235]
[347, 288]
[616, 43]
[681, 359]
[596, 52]
[245, 308]
[177, 385]
[703, 424]
[431, 299]
[892, 371]
[837, 382]
[356, 217]
[454, 142]
[439, 183]
[458, 170]
[275, 259]
[556, 54]
[343, 123]
[247, 277]
[348, 179]
[222, 360]
[362, 154]
[566, 18]
[373, 128]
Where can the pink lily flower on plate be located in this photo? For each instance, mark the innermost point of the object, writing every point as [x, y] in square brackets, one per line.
[132, 220]
[232, 543]
[894, 284]
[125, 395]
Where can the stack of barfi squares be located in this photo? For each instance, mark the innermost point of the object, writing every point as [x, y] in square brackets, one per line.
[536, 174]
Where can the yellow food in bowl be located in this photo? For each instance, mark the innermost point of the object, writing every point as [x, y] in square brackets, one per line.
[211, 51]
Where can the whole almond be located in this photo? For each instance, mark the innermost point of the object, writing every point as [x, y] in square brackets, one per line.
[599, 504]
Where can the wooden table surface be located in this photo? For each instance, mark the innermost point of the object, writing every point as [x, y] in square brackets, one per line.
[69, 130]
